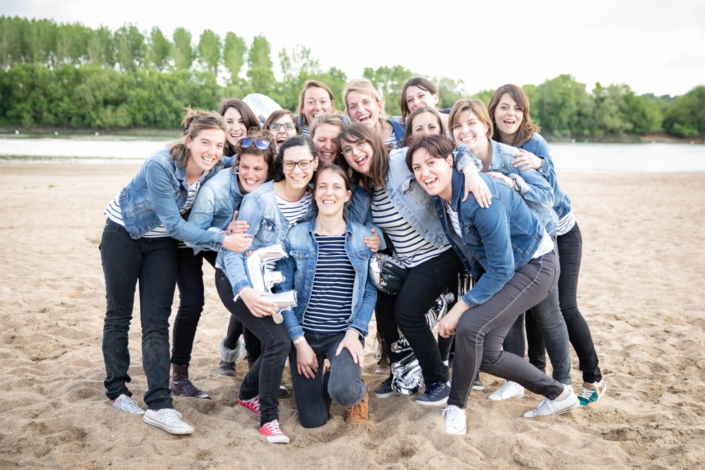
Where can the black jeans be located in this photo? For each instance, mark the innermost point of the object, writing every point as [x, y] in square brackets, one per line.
[252, 343]
[570, 249]
[481, 330]
[264, 377]
[191, 301]
[342, 383]
[408, 309]
[152, 262]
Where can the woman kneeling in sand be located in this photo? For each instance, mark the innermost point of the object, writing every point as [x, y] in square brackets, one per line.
[328, 265]
[521, 269]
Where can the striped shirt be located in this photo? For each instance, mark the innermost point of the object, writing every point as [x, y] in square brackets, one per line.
[566, 224]
[305, 130]
[293, 211]
[410, 248]
[114, 212]
[391, 142]
[453, 219]
[330, 305]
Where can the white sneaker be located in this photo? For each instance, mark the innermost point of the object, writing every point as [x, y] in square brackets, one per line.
[127, 404]
[555, 407]
[168, 419]
[455, 420]
[508, 390]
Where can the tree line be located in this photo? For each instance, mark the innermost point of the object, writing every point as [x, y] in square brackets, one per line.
[75, 76]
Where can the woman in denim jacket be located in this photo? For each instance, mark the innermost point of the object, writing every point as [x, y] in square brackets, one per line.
[365, 105]
[521, 268]
[509, 110]
[140, 244]
[472, 127]
[238, 118]
[329, 267]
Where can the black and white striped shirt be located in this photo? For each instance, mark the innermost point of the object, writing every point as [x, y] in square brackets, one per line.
[295, 210]
[330, 305]
[566, 224]
[410, 248]
[114, 212]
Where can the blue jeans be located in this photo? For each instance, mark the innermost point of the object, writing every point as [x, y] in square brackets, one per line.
[342, 384]
[152, 262]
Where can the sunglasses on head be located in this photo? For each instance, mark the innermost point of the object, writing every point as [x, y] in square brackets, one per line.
[260, 144]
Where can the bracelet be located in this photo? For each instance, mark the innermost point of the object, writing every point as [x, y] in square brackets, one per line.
[298, 340]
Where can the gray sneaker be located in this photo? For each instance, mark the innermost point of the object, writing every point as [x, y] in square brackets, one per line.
[127, 404]
[555, 407]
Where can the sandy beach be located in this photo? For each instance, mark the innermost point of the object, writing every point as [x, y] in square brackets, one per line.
[642, 291]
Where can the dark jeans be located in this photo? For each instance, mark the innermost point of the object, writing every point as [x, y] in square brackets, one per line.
[549, 319]
[481, 330]
[252, 343]
[342, 383]
[191, 301]
[152, 262]
[570, 248]
[407, 309]
[264, 377]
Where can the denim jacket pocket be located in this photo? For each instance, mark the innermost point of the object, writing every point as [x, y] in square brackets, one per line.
[471, 236]
[267, 233]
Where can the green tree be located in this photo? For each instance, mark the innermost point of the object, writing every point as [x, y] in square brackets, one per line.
[449, 91]
[130, 47]
[234, 50]
[686, 116]
[209, 51]
[260, 65]
[10, 41]
[389, 81]
[101, 48]
[158, 49]
[484, 96]
[183, 52]
[559, 105]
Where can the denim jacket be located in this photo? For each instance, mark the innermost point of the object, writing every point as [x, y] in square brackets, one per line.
[501, 238]
[533, 187]
[156, 195]
[408, 197]
[398, 131]
[268, 226]
[299, 270]
[539, 147]
[215, 203]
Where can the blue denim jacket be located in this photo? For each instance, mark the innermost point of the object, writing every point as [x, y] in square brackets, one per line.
[155, 196]
[533, 187]
[215, 203]
[398, 129]
[268, 226]
[299, 270]
[408, 197]
[539, 147]
[501, 238]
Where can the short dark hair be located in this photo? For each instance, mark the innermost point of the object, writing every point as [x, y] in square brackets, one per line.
[296, 141]
[267, 154]
[438, 146]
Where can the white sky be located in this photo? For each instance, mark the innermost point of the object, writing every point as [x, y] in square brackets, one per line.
[653, 46]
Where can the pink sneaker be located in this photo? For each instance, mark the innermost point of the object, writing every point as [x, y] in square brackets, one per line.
[273, 433]
[251, 404]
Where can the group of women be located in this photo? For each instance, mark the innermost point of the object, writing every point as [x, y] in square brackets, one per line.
[334, 189]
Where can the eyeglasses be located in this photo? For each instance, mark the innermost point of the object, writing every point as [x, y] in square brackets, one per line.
[275, 126]
[303, 164]
[347, 151]
[260, 144]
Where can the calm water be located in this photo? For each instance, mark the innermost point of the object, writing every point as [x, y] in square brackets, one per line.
[568, 157]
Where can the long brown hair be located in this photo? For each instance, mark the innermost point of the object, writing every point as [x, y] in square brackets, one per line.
[408, 128]
[195, 122]
[418, 82]
[307, 85]
[379, 161]
[246, 113]
[527, 128]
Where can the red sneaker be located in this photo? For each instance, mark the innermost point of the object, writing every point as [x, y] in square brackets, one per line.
[251, 404]
[273, 433]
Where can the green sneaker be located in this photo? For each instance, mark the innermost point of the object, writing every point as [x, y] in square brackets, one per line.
[591, 395]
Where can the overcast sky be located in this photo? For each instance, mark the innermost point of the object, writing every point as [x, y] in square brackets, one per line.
[653, 46]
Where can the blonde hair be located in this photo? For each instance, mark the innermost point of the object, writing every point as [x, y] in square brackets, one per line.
[195, 122]
[364, 86]
[476, 107]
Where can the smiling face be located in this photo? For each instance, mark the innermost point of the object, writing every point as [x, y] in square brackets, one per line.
[416, 97]
[235, 124]
[252, 171]
[316, 101]
[297, 179]
[358, 155]
[425, 124]
[325, 142]
[282, 133]
[508, 117]
[363, 108]
[433, 174]
[330, 193]
[205, 149]
[469, 130]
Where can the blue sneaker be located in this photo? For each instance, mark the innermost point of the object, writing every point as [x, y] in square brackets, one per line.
[436, 394]
[385, 390]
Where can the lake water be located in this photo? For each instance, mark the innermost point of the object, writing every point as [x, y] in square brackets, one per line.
[568, 157]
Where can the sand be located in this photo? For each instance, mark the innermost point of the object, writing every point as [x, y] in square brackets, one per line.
[642, 290]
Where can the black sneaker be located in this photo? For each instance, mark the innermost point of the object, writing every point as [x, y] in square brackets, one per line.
[436, 394]
[478, 384]
[385, 390]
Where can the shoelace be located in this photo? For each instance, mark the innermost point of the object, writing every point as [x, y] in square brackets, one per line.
[436, 388]
[586, 393]
[171, 413]
[452, 412]
[545, 403]
[253, 404]
[129, 403]
[272, 428]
